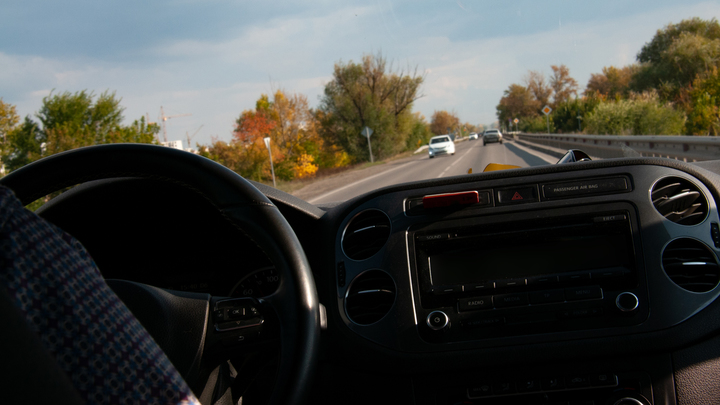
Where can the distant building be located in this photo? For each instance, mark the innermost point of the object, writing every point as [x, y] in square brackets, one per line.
[173, 144]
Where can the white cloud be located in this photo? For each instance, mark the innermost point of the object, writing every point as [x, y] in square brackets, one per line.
[216, 80]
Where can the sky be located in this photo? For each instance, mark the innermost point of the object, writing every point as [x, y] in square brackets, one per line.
[214, 58]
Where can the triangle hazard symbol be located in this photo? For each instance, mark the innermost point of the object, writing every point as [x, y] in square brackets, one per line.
[517, 196]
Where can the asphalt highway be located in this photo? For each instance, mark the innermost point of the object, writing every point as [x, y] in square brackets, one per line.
[468, 155]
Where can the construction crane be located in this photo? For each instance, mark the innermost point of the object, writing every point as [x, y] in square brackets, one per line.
[164, 118]
[189, 137]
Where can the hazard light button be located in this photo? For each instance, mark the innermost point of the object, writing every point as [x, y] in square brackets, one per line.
[517, 195]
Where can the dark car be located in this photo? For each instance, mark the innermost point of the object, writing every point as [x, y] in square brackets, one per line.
[492, 135]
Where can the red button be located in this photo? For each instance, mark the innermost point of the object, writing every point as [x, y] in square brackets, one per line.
[447, 200]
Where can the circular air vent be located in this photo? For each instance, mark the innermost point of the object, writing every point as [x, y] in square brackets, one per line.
[366, 234]
[370, 297]
[679, 201]
[691, 265]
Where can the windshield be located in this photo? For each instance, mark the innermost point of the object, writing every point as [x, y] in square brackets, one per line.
[327, 101]
[439, 140]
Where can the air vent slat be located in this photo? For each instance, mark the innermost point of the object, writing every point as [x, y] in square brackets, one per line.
[679, 201]
[691, 265]
[662, 192]
[366, 234]
[370, 297]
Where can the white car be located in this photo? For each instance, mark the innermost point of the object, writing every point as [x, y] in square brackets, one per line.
[473, 137]
[440, 145]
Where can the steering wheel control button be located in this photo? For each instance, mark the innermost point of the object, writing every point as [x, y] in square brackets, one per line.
[552, 383]
[528, 385]
[472, 304]
[627, 302]
[510, 300]
[437, 320]
[603, 380]
[240, 339]
[240, 324]
[577, 381]
[583, 293]
[237, 313]
[517, 195]
[504, 388]
[482, 389]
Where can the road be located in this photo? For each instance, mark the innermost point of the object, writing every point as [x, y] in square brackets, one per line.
[469, 154]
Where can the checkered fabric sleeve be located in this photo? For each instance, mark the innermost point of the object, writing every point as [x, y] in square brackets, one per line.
[109, 357]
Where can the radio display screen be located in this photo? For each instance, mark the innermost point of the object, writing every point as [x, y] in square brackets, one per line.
[505, 255]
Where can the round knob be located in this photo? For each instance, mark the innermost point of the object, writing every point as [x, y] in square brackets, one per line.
[627, 302]
[437, 320]
[627, 397]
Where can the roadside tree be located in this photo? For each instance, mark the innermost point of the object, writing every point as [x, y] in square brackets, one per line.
[370, 93]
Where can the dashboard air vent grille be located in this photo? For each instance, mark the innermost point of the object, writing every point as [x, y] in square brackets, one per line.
[679, 201]
[691, 265]
[366, 234]
[370, 297]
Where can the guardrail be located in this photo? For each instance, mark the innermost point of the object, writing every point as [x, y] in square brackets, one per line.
[686, 148]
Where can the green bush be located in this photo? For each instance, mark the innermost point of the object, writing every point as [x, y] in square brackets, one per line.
[641, 115]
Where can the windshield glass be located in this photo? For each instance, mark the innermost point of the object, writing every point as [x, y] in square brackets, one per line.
[439, 140]
[321, 98]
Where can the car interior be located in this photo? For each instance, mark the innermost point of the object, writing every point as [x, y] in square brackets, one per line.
[591, 282]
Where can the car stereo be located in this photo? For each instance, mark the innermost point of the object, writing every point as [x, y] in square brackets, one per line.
[528, 273]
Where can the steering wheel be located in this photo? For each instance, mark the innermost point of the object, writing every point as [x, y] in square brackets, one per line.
[215, 321]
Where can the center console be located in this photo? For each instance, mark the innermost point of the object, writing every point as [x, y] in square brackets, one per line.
[528, 273]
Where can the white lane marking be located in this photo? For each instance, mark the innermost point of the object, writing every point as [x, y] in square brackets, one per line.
[454, 163]
[311, 201]
[543, 156]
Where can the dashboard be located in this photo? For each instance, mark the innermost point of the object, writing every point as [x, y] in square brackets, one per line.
[584, 283]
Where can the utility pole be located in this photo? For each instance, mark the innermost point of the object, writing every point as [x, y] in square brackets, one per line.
[272, 167]
[164, 118]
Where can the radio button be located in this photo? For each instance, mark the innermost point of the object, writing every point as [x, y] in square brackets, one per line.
[609, 273]
[574, 277]
[580, 313]
[510, 300]
[433, 237]
[542, 280]
[583, 293]
[447, 289]
[479, 286]
[483, 322]
[472, 304]
[546, 297]
[512, 282]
